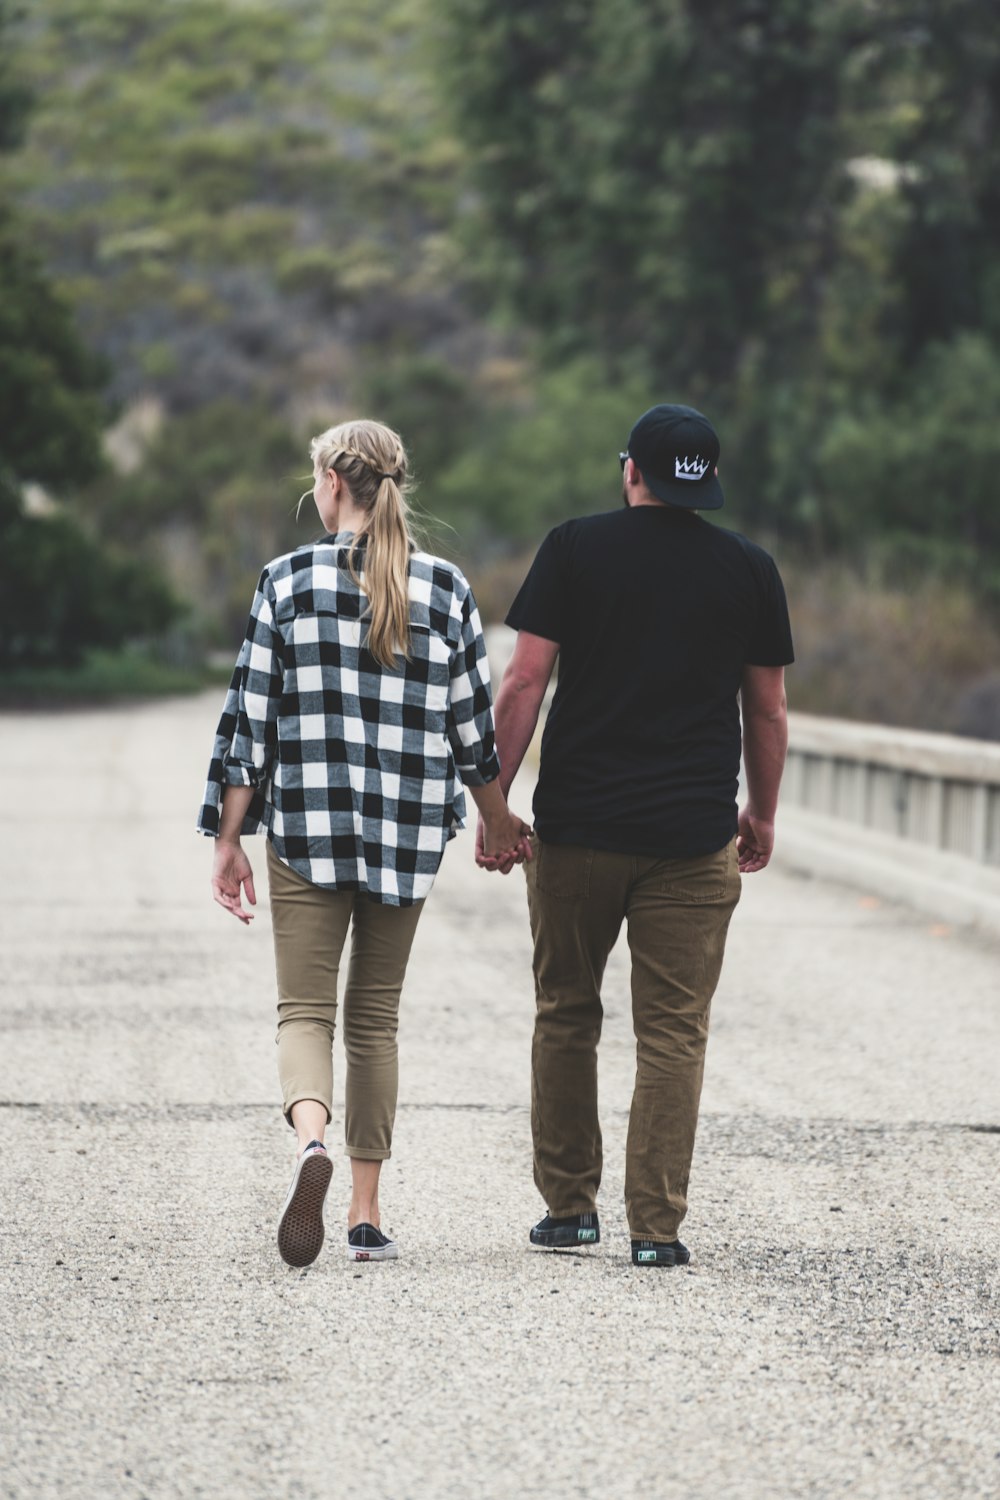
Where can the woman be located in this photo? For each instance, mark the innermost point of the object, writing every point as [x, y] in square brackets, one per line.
[360, 689]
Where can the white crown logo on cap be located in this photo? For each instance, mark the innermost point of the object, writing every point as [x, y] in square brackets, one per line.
[690, 468]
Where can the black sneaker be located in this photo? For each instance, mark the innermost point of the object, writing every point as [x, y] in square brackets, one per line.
[300, 1227]
[656, 1253]
[365, 1242]
[566, 1234]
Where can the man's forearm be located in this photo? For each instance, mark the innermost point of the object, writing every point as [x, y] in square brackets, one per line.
[765, 744]
[515, 715]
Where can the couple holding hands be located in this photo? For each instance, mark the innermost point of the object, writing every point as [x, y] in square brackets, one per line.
[359, 708]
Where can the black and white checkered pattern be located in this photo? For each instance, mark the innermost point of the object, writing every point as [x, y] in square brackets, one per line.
[354, 765]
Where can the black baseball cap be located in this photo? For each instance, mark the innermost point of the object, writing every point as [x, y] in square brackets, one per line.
[676, 450]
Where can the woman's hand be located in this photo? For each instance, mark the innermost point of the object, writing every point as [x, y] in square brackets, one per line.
[502, 842]
[231, 872]
[501, 836]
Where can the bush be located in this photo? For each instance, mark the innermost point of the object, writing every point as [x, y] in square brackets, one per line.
[926, 465]
[61, 593]
[555, 456]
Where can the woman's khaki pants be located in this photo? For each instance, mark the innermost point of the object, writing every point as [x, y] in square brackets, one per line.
[310, 928]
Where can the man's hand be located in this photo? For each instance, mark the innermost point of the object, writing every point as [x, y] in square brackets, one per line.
[502, 843]
[754, 842]
[230, 872]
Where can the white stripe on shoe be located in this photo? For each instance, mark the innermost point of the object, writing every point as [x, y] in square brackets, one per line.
[365, 1242]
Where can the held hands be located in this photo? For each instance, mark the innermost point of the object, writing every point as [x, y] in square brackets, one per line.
[754, 842]
[230, 872]
[502, 842]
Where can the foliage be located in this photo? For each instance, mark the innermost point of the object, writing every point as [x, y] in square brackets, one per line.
[48, 381]
[227, 476]
[60, 590]
[15, 97]
[534, 463]
[788, 213]
[61, 593]
[507, 230]
[100, 676]
[240, 196]
[926, 466]
[641, 166]
[850, 625]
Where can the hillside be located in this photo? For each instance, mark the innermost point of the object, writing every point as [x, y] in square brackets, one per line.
[243, 199]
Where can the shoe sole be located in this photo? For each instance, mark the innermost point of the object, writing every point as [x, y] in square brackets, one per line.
[387, 1252]
[565, 1239]
[300, 1231]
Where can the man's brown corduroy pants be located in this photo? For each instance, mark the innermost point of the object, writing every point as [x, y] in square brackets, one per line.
[677, 913]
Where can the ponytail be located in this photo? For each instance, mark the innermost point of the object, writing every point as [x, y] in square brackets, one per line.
[373, 462]
[387, 557]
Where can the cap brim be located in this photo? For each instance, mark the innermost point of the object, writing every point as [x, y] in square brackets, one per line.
[706, 494]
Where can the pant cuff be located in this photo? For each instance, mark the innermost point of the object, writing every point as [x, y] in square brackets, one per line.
[367, 1153]
[297, 1099]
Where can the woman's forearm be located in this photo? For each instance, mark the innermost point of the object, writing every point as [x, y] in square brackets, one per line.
[236, 802]
[490, 801]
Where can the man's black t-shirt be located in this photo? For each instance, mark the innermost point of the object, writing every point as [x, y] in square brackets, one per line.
[656, 613]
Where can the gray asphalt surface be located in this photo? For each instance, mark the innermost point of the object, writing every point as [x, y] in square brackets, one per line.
[835, 1334]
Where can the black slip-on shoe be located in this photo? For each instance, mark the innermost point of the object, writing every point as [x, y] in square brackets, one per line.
[300, 1227]
[365, 1242]
[656, 1253]
[566, 1234]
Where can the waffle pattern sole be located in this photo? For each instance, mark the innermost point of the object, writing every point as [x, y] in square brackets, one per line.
[301, 1233]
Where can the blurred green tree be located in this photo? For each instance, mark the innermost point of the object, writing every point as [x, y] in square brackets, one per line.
[788, 213]
[658, 180]
[49, 384]
[60, 591]
[553, 454]
[223, 481]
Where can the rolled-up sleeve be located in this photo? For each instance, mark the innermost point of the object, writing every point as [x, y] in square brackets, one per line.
[470, 702]
[250, 757]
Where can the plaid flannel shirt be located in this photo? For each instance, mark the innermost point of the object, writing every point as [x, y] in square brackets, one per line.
[354, 766]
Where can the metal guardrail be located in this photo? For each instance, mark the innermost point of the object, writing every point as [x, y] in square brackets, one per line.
[935, 790]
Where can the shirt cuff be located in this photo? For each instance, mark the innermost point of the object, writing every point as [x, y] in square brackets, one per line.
[483, 774]
[235, 773]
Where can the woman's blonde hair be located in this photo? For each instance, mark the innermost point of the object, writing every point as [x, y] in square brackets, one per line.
[372, 460]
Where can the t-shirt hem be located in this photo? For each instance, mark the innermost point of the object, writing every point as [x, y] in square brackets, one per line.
[646, 845]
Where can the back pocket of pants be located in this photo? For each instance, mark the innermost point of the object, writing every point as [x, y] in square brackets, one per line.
[562, 870]
[706, 879]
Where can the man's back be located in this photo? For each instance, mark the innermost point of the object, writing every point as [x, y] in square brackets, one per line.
[656, 613]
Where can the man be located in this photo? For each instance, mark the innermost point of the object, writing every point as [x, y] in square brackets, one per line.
[665, 626]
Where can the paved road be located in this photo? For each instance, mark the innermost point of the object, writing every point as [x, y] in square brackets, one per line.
[835, 1335]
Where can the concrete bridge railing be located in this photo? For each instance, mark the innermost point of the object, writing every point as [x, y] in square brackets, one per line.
[906, 815]
[933, 790]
